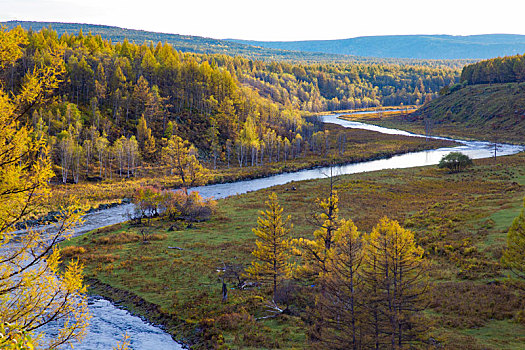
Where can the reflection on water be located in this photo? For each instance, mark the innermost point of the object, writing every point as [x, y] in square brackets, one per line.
[109, 323]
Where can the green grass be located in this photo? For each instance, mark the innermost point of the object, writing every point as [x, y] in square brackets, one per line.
[503, 335]
[460, 220]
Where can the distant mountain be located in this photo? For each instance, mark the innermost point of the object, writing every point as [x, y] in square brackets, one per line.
[408, 46]
[197, 44]
[184, 43]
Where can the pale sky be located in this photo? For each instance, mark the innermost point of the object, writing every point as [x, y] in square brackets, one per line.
[281, 19]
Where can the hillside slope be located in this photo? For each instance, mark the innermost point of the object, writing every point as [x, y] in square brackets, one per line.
[480, 111]
[197, 44]
[409, 46]
[184, 43]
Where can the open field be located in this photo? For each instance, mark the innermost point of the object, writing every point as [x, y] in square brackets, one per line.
[460, 219]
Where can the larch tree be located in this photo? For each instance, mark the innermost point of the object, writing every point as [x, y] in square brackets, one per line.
[33, 291]
[514, 255]
[181, 156]
[316, 253]
[146, 139]
[396, 284]
[272, 250]
[341, 304]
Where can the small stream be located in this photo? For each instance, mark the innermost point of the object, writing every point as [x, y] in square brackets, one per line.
[109, 323]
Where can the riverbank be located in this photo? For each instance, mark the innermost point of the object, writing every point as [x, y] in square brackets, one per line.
[360, 145]
[415, 124]
[460, 220]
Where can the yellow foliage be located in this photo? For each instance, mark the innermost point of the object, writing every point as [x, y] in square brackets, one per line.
[514, 255]
[272, 246]
[33, 292]
[181, 156]
[317, 252]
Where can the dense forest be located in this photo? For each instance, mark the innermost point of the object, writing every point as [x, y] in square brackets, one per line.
[119, 103]
[507, 69]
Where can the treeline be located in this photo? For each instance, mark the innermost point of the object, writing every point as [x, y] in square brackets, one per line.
[119, 104]
[196, 44]
[328, 87]
[507, 69]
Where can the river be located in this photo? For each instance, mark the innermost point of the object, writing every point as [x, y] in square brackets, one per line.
[109, 323]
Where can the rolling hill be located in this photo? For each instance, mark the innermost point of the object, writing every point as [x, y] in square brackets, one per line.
[384, 49]
[408, 46]
[184, 43]
[486, 111]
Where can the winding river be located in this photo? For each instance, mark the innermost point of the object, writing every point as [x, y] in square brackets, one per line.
[109, 323]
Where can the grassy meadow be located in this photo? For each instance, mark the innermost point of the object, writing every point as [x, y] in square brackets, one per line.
[460, 219]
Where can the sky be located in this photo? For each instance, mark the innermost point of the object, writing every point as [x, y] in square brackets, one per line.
[281, 20]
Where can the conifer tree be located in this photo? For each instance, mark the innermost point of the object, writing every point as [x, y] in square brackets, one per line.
[33, 292]
[396, 284]
[272, 246]
[514, 255]
[181, 156]
[340, 305]
[316, 253]
[146, 139]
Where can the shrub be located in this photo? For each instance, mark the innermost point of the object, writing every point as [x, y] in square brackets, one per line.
[71, 251]
[455, 162]
[179, 205]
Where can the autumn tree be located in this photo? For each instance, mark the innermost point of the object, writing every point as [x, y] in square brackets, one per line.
[272, 252]
[145, 139]
[33, 292]
[395, 283]
[341, 304]
[316, 252]
[181, 156]
[514, 254]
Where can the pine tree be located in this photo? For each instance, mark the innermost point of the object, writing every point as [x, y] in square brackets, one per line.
[272, 246]
[514, 255]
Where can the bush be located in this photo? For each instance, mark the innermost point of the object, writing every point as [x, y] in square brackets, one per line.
[179, 205]
[72, 251]
[455, 162]
[175, 205]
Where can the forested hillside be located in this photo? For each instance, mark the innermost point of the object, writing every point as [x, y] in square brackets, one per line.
[184, 43]
[497, 70]
[121, 102]
[197, 44]
[489, 102]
